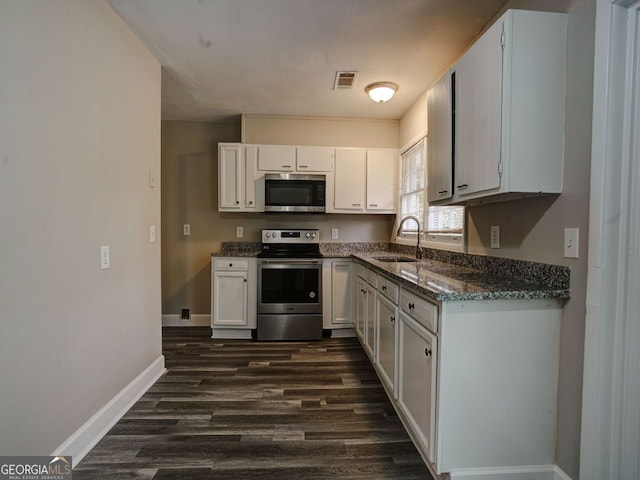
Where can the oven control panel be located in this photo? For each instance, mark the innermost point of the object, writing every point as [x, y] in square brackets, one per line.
[291, 236]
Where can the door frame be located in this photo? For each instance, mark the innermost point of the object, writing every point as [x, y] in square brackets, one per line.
[610, 436]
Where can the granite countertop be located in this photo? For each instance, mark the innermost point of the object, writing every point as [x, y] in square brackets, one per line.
[449, 282]
[444, 276]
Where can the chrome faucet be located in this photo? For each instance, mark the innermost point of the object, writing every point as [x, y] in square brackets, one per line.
[418, 247]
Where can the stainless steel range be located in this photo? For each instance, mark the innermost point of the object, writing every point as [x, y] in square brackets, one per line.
[290, 285]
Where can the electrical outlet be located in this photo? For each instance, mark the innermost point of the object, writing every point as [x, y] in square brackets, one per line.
[105, 257]
[495, 236]
[571, 238]
[152, 179]
[185, 314]
[239, 232]
[334, 234]
[152, 234]
[186, 229]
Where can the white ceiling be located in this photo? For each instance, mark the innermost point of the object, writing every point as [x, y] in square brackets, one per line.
[221, 58]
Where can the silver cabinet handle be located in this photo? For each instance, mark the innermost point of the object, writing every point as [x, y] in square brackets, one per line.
[411, 306]
[393, 319]
[442, 192]
[355, 204]
[373, 204]
[303, 166]
[286, 166]
[384, 288]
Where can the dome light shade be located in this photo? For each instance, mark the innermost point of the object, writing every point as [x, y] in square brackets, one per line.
[381, 92]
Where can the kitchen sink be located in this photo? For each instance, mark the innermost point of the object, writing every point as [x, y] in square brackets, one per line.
[391, 258]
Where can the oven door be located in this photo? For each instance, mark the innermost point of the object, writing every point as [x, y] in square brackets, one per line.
[289, 286]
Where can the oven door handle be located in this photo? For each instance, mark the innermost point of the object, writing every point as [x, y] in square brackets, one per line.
[289, 261]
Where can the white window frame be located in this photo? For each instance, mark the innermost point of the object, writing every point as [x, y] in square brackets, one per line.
[452, 242]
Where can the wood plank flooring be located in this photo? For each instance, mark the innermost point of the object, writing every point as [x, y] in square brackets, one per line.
[253, 410]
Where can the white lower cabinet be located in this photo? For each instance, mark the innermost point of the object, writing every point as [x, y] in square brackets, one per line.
[417, 374]
[361, 307]
[474, 382]
[387, 314]
[233, 297]
[337, 287]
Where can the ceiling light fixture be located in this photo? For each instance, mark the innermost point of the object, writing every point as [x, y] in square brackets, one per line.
[381, 92]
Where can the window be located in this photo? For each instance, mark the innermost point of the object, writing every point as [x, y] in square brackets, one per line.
[412, 188]
[443, 227]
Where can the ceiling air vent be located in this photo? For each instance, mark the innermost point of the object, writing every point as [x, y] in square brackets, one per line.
[345, 80]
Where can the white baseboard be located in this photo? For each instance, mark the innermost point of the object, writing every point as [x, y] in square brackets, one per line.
[343, 333]
[89, 434]
[198, 320]
[231, 333]
[528, 472]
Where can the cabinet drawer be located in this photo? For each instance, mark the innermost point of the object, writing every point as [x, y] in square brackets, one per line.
[387, 288]
[372, 278]
[420, 310]
[361, 271]
[231, 264]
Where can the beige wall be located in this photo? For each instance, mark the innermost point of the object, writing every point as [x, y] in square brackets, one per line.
[79, 132]
[413, 124]
[532, 229]
[189, 195]
[337, 132]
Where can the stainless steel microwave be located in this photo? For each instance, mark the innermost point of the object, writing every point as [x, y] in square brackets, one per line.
[291, 192]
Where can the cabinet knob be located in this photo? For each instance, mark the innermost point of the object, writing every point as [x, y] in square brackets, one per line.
[250, 202]
[427, 352]
[244, 280]
[411, 306]
[237, 202]
[231, 264]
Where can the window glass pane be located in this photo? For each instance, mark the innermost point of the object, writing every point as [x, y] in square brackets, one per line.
[445, 220]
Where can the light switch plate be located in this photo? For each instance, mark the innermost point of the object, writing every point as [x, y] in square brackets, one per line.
[152, 179]
[571, 240]
[495, 236]
[186, 229]
[105, 257]
[152, 234]
[334, 234]
[239, 232]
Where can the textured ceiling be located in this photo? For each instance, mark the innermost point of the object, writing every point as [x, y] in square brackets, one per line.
[221, 58]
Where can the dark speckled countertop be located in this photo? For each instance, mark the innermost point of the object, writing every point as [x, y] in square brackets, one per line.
[444, 276]
[449, 282]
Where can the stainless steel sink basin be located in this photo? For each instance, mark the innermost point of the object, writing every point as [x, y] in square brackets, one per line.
[392, 258]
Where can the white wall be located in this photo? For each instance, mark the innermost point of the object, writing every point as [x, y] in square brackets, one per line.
[79, 132]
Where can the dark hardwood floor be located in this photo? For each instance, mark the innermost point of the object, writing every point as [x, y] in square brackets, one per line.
[229, 409]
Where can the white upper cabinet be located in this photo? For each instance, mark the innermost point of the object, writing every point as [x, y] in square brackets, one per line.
[509, 109]
[440, 140]
[382, 166]
[350, 179]
[364, 181]
[230, 175]
[314, 159]
[239, 188]
[276, 158]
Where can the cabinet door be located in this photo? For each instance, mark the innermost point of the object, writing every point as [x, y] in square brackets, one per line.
[230, 173]
[276, 158]
[439, 142]
[350, 179]
[370, 323]
[314, 159]
[229, 298]
[478, 101]
[250, 167]
[361, 308]
[386, 316]
[381, 180]
[341, 292]
[417, 381]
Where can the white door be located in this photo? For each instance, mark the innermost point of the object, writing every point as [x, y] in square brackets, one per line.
[229, 298]
[350, 179]
[341, 292]
[230, 176]
[439, 146]
[370, 323]
[381, 180]
[478, 77]
[417, 380]
[386, 316]
[361, 307]
[276, 158]
[314, 159]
